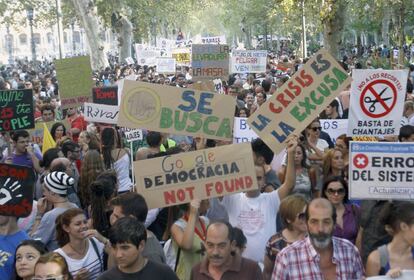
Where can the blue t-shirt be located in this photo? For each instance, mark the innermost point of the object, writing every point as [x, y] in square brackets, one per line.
[8, 244]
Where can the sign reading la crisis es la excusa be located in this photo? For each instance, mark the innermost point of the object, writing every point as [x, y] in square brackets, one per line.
[380, 170]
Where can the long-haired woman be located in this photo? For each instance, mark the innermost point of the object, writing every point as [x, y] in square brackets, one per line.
[82, 248]
[116, 157]
[92, 166]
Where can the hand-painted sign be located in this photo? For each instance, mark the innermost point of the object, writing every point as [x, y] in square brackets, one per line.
[334, 127]
[242, 132]
[179, 178]
[147, 56]
[132, 134]
[75, 80]
[182, 56]
[176, 110]
[380, 170]
[244, 61]
[292, 107]
[376, 102]
[210, 62]
[100, 113]
[16, 190]
[105, 95]
[214, 40]
[165, 65]
[16, 109]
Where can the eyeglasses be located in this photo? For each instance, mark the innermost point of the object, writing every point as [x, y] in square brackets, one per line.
[301, 216]
[60, 277]
[316, 128]
[340, 191]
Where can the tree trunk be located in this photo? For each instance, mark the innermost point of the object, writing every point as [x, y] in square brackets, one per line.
[334, 22]
[90, 22]
[401, 35]
[385, 26]
[125, 38]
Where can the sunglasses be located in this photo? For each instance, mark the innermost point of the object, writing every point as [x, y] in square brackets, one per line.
[316, 128]
[301, 216]
[338, 191]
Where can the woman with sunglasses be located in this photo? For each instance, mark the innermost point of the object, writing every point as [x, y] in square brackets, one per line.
[316, 145]
[292, 213]
[27, 254]
[335, 189]
[52, 266]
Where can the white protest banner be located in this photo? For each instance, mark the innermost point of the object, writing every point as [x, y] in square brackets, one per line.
[243, 61]
[214, 40]
[132, 134]
[300, 100]
[179, 178]
[147, 56]
[210, 62]
[100, 113]
[218, 85]
[381, 170]
[334, 127]
[129, 60]
[165, 65]
[376, 102]
[242, 132]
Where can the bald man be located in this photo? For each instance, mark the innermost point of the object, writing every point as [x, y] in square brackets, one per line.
[320, 255]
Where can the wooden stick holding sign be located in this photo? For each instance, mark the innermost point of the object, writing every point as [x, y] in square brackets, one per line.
[179, 178]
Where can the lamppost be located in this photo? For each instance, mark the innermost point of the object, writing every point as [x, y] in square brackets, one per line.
[9, 44]
[30, 15]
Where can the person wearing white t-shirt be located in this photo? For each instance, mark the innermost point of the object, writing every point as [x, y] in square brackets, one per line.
[255, 212]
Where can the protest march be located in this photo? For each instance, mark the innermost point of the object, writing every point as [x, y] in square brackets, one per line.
[198, 155]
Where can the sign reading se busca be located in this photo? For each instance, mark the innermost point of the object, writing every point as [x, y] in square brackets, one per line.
[180, 111]
[16, 190]
[16, 110]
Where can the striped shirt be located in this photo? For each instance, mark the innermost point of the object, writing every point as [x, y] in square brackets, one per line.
[300, 261]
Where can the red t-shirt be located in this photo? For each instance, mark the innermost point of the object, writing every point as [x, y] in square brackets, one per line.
[80, 123]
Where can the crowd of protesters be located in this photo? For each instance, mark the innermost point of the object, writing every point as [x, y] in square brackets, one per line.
[88, 223]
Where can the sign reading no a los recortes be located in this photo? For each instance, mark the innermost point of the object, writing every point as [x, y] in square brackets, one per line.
[16, 110]
[380, 170]
[292, 107]
[210, 62]
[376, 102]
[179, 178]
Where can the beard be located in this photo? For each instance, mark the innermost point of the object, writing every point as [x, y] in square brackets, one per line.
[321, 240]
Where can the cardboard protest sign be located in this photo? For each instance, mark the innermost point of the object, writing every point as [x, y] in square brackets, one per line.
[147, 56]
[179, 178]
[36, 134]
[100, 113]
[376, 102]
[132, 134]
[292, 107]
[182, 56]
[129, 60]
[16, 190]
[75, 80]
[214, 40]
[180, 111]
[105, 95]
[381, 170]
[242, 132]
[210, 62]
[16, 109]
[244, 61]
[334, 128]
[165, 65]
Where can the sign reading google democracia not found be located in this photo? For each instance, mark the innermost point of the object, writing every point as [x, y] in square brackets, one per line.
[176, 110]
[380, 170]
[299, 100]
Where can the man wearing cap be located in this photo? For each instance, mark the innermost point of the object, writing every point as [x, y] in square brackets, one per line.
[55, 189]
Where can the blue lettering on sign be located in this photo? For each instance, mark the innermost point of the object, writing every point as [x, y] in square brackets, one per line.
[203, 105]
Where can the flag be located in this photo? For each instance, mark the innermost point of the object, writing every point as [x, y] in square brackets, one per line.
[48, 141]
